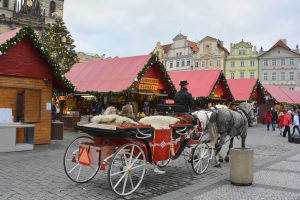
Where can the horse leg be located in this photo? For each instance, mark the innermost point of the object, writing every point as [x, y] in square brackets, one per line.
[243, 140]
[230, 146]
[218, 147]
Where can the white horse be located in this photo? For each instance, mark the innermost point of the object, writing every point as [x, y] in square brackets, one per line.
[204, 115]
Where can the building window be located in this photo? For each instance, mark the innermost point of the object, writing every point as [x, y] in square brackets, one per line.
[210, 63]
[242, 75]
[274, 62]
[182, 63]
[177, 63]
[282, 76]
[265, 76]
[242, 52]
[180, 54]
[5, 3]
[177, 54]
[188, 63]
[265, 62]
[171, 64]
[242, 64]
[251, 63]
[232, 75]
[203, 63]
[282, 61]
[292, 61]
[291, 76]
[273, 76]
[251, 74]
[196, 64]
[218, 63]
[52, 8]
[232, 64]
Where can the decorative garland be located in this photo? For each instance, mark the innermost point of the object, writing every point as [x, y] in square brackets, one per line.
[27, 31]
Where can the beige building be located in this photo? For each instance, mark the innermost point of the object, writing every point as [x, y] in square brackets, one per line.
[162, 51]
[211, 54]
[38, 14]
[242, 61]
[84, 57]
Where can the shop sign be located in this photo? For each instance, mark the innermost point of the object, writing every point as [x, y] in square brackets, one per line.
[151, 81]
[147, 87]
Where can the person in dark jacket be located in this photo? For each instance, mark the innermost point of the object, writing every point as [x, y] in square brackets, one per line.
[183, 97]
[274, 118]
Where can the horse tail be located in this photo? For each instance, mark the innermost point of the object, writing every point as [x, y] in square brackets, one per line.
[212, 128]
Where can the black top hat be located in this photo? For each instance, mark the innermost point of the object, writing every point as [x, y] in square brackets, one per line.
[183, 83]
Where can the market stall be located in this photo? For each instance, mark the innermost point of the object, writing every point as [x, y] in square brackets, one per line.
[208, 87]
[139, 80]
[250, 90]
[28, 77]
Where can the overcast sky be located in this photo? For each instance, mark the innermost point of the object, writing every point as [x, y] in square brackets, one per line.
[132, 27]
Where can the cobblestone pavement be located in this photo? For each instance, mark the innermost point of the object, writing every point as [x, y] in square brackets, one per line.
[39, 174]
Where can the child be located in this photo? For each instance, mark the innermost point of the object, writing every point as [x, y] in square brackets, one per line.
[268, 119]
[280, 122]
[296, 123]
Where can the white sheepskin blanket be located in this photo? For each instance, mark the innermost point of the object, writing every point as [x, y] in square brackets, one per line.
[113, 119]
[102, 126]
[159, 122]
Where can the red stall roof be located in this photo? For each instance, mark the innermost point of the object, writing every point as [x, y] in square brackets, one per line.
[241, 88]
[201, 82]
[110, 75]
[283, 95]
[8, 35]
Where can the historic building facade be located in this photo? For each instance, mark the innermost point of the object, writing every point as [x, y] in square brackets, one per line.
[280, 66]
[38, 14]
[161, 51]
[180, 54]
[211, 54]
[242, 61]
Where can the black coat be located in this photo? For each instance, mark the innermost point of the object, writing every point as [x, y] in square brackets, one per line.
[183, 97]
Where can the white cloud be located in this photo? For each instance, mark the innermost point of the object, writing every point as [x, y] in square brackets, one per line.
[132, 27]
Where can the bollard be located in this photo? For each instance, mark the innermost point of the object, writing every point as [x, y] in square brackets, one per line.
[241, 166]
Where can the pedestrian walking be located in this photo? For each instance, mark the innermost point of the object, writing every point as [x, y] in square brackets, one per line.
[274, 118]
[286, 123]
[296, 123]
[268, 119]
[280, 123]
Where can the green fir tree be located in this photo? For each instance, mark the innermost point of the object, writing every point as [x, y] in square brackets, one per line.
[59, 43]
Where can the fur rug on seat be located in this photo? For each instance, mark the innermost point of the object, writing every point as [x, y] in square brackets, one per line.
[159, 122]
[113, 119]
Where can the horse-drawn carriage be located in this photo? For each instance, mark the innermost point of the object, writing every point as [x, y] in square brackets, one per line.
[124, 151]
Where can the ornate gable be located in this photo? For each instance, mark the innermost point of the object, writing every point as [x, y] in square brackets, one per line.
[179, 37]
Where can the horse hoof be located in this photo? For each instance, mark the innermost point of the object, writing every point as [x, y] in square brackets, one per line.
[227, 159]
[217, 165]
[221, 160]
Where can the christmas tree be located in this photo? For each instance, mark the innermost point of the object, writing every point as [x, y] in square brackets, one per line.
[59, 43]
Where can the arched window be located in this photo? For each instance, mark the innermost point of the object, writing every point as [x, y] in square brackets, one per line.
[5, 3]
[52, 7]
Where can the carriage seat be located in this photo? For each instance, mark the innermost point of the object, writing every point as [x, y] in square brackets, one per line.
[171, 108]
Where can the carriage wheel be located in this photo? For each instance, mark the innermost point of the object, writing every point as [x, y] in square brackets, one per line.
[77, 172]
[163, 163]
[200, 158]
[127, 169]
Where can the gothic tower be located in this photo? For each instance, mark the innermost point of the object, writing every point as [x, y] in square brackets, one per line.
[39, 14]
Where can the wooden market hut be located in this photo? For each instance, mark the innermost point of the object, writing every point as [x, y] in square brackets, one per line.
[249, 90]
[208, 87]
[136, 79]
[28, 76]
[283, 96]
